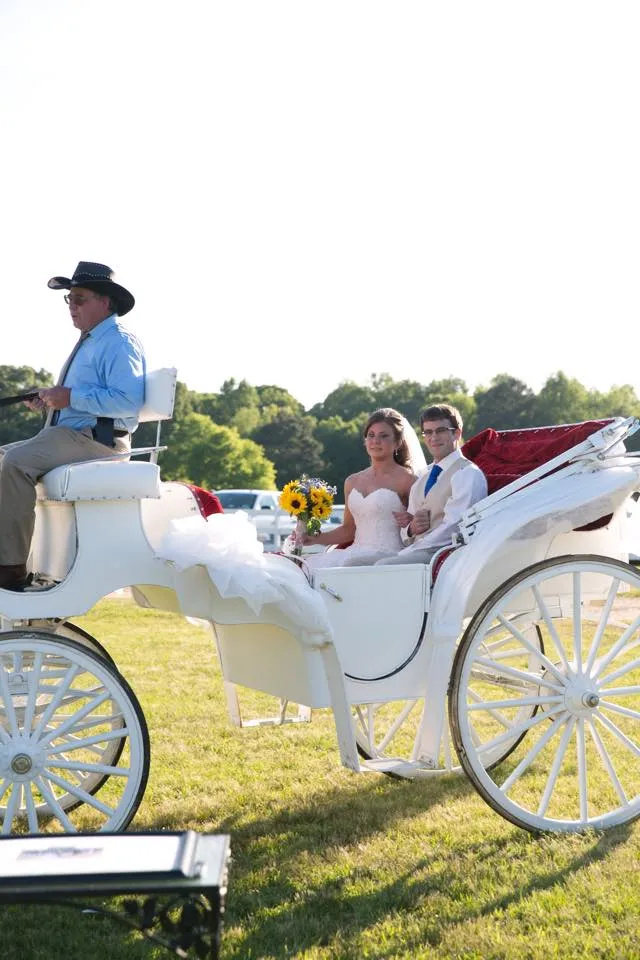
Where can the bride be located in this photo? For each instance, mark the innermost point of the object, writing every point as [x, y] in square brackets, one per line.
[373, 495]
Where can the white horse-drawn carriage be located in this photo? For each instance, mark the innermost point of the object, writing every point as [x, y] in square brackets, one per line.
[514, 656]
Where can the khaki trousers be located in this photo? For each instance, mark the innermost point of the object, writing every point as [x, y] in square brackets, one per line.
[411, 556]
[22, 464]
[404, 556]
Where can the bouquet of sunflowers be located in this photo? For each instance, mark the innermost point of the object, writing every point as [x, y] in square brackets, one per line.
[310, 500]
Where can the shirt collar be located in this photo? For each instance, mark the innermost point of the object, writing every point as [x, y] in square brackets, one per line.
[449, 460]
[101, 328]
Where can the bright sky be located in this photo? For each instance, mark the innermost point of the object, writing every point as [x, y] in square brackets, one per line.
[301, 193]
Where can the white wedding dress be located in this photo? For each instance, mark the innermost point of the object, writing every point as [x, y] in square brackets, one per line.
[377, 533]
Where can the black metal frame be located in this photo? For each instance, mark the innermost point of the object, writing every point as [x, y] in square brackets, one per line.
[181, 914]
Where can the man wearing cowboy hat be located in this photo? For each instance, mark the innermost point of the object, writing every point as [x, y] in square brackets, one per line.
[91, 412]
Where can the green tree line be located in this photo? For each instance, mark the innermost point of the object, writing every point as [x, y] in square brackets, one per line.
[261, 436]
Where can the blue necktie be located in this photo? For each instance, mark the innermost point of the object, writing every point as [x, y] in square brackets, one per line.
[431, 479]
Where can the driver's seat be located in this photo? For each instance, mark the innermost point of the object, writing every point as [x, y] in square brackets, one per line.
[54, 541]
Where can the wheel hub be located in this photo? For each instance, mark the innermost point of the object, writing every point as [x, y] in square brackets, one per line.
[21, 761]
[21, 764]
[581, 699]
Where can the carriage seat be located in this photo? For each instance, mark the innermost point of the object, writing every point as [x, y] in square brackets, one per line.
[117, 479]
[101, 480]
[507, 455]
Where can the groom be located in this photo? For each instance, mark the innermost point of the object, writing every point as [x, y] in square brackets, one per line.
[440, 495]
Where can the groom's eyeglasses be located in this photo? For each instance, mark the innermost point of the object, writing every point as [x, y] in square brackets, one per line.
[438, 432]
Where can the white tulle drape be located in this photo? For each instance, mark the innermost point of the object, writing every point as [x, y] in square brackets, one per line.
[227, 545]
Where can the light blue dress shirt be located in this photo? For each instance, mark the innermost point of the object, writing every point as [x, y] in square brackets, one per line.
[106, 378]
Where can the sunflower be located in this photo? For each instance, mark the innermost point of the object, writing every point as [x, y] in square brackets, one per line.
[321, 509]
[292, 500]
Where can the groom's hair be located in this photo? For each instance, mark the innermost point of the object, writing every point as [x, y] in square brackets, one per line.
[442, 411]
[396, 421]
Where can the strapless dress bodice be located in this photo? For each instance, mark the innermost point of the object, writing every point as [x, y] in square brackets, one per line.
[376, 528]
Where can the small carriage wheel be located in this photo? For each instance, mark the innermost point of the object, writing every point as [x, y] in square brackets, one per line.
[388, 732]
[61, 709]
[576, 762]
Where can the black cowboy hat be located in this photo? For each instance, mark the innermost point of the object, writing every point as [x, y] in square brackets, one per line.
[99, 278]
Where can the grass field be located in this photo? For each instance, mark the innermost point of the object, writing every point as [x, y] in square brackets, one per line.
[326, 863]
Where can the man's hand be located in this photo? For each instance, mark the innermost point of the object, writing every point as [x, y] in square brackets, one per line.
[36, 404]
[56, 398]
[402, 517]
[421, 522]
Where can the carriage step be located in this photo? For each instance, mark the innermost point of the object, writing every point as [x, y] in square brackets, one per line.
[409, 769]
[278, 721]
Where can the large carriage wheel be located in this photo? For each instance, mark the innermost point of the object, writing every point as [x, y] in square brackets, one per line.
[110, 753]
[68, 722]
[578, 764]
[387, 733]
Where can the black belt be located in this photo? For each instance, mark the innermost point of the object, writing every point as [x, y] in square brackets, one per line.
[103, 432]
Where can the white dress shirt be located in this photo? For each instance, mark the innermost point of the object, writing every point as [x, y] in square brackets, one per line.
[467, 487]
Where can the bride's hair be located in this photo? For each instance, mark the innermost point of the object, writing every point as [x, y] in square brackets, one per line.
[396, 421]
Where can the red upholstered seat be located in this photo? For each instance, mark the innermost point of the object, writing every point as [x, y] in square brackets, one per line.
[504, 456]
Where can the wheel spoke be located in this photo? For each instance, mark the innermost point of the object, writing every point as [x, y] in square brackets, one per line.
[32, 695]
[577, 623]
[55, 700]
[581, 756]
[480, 704]
[395, 726]
[11, 809]
[618, 646]
[553, 633]
[92, 767]
[606, 760]
[32, 816]
[531, 679]
[602, 624]
[534, 721]
[620, 672]
[492, 705]
[67, 747]
[7, 698]
[520, 637]
[82, 712]
[555, 767]
[56, 809]
[629, 744]
[79, 793]
[623, 711]
[528, 759]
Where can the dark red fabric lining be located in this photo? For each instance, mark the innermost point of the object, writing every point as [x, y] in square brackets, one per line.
[508, 455]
